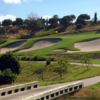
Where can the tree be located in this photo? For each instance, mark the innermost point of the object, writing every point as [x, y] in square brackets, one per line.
[85, 59]
[95, 18]
[34, 23]
[14, 23]
[52, 21]
[84, 16]
[19, 21]
[10, 60]
[61, 67]
[64, 21]
[6, 22]
[40, 71]
[7, 76]
[80, 21]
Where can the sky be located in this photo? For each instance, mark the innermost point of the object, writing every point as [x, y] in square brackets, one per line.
[12, 9]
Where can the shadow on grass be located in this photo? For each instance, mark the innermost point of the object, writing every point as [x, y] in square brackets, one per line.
[97, 32]
[82, 72]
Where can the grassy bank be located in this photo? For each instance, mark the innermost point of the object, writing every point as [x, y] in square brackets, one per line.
[75, 72]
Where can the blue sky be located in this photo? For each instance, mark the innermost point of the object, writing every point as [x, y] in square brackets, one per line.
[21, 8]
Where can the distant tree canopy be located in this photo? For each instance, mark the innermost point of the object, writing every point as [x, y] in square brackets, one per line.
[19, 22]
[84, 16]
[81, 19]
[67, 20]
[6, 22]
[95, 18]
[54, 20]
[34, 23]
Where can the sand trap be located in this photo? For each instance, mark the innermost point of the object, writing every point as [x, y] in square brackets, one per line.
[42, 44]
[12, 46]
[93, 45]
[59, 49]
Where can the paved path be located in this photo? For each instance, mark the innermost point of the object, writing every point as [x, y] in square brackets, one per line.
[77, 63]
[25, 94]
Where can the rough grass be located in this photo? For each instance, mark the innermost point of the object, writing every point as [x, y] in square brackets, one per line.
[75, 72]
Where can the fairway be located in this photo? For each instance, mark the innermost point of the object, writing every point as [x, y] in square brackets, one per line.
[59, 44]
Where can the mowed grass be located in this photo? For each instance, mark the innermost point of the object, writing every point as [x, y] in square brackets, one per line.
[75, 72]
[67, 43]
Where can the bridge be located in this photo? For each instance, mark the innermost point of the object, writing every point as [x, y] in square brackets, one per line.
[32, 91]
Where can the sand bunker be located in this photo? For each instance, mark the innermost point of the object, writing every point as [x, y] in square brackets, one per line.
[59, 49]
[93, 45]
[42, 44]
[12, 46]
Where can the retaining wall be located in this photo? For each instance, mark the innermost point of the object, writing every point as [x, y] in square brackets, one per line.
[18, 88]
[53, 93]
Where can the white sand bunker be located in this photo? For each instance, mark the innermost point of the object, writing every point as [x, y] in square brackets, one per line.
[12, 46]
[59, 49]
[92, 45]
[42, 44]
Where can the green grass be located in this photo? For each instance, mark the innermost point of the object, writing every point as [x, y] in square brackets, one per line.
[75, 72]
[50, 32]
[9, 41]
[67, 43]
[97, 85]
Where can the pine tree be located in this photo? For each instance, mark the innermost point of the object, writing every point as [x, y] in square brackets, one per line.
[95, 18]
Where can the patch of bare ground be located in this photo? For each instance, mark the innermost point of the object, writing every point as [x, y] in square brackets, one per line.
[84, 92]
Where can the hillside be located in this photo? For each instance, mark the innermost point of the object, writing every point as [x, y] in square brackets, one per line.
[20, 32]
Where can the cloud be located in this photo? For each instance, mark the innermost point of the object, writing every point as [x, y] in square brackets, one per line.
[12, 1]
[12, 17]
[46, 17]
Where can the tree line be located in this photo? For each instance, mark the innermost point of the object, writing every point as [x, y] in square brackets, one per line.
[34, 23]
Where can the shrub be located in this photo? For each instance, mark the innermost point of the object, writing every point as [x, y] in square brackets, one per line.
[10, 60]
[79, 26]
[7, 76]
[45, 33]
[48, 61]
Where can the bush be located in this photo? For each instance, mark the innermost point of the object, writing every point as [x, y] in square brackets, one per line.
[45, 33]
[10, 60]
[7, 76]
[48, 61]
[79, 26]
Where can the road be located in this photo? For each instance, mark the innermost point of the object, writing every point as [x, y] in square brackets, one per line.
[21, 95]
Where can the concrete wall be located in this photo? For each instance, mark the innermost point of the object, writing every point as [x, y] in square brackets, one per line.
[18, 88]
[53, 93]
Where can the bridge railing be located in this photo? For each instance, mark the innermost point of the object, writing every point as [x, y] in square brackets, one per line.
[18, 88]
[53, 93]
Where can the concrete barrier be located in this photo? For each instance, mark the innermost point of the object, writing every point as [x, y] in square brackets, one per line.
[53, 93]
[18, 88]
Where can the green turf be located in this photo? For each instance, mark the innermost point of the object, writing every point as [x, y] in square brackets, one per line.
[67, 43]
[75, 72]
[97, 85]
